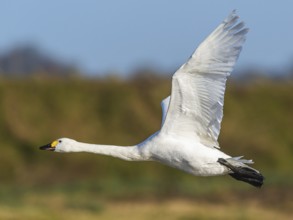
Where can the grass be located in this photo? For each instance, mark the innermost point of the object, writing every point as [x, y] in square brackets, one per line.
[43, 185]
[55, 204]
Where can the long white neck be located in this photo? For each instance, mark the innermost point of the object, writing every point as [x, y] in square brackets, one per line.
[125, 153]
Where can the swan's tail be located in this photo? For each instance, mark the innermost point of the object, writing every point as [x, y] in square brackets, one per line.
[240, 171]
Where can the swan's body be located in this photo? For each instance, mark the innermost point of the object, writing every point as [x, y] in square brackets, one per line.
[191, 115]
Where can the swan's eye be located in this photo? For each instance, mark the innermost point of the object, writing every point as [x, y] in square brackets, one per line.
[60, 141]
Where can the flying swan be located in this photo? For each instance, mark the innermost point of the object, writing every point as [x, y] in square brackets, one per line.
[191, 116]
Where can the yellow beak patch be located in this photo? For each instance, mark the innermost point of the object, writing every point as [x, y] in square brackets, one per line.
[54, 143]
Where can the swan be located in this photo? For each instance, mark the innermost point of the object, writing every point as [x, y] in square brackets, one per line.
[191, 115]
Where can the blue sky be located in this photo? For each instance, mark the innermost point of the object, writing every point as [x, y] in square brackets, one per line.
[106, 36]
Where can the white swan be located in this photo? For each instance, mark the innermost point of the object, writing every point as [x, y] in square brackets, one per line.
[192, 114]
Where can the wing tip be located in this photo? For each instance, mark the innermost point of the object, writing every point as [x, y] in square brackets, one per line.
[234, 26]
[232, 17]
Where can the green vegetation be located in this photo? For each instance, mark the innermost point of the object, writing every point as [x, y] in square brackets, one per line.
[43, 185]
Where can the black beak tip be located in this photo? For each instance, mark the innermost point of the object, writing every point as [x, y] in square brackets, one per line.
[47, 147]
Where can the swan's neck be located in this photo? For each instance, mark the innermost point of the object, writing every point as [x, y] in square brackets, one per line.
[125, 153]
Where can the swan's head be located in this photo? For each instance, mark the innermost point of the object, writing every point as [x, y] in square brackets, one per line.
[59, 145]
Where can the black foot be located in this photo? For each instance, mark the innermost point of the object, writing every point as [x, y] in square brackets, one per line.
[244, 173]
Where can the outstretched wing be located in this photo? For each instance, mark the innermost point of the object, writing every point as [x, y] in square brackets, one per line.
[198, 87]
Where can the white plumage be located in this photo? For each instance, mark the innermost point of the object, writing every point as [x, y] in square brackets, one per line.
[192, 115]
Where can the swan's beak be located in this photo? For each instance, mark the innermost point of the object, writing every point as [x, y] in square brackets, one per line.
[48, 147]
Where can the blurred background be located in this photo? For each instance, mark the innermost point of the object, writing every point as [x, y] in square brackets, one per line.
[96, 71]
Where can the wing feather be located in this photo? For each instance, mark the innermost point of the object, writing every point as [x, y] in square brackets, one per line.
[165, 106]
[198, 86]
